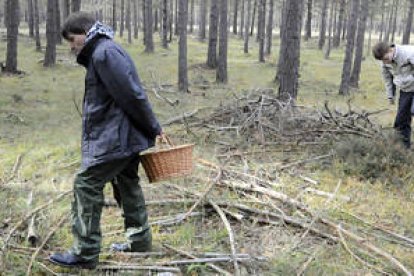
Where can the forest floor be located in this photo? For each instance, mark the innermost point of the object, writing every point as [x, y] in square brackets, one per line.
[301, 213]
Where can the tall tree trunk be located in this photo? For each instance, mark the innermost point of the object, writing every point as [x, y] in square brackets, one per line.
[389, 27]
[36, 25]
[337, 38]
[371, 27]
[288, 71]
[114, 17]
[359, 51]
[155, 28]
[202, 21]
[269, 28]
[191, 16]
[128, 21]
[164, 24]
[308, 26]
[176, 18]
[247, 25]
[261, 29]
[221, 74]
[182, 54]
[57, 23]
[170, 20]
[65, 9]
[135, 7]
[149, 41]
[407, 31]
[50, 54]
[76, 5]
[322, 30]
[235, 15]
[144, 19]
[31, 17]
[253, 17]
[12, 21]
[382, 21]
[349, 51]
[331, 24]
[242, 11]
[394, 23]
[212, 34]
[122, 23]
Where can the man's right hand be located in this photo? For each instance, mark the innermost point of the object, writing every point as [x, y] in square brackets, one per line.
[391, 101]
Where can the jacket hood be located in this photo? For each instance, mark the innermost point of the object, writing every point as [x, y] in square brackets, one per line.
[99, 29]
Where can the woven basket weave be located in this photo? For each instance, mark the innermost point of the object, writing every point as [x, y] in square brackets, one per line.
[171, 162]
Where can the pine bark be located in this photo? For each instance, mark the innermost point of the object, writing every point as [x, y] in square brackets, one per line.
[182, 54]
[202, 21]
[149, 41]
[241, 26]
[289, 57]
[235, 16]
[191, 16]
[135, 7]
[247, 25]
[349, 51]
[212, 35]
[394, 23]
[165, 24]
[331, 17]
[408, 24]
[359, 51]
[76, 5]
[337, 38]
[308, 26]
[50, 54]
[253, 17]
[322, 30]
[65, 9]
[269, 28]
[30, 17]
[128, 21]
[122, 23]
[261, 29]
[114, 16]
[12, 22]
[221, 74]
[36, 25]
[57, 23]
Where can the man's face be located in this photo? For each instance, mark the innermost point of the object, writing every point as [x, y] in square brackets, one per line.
[76, 42]
[387, 58]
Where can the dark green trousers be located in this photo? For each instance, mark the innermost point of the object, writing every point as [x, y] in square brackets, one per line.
[88, 202]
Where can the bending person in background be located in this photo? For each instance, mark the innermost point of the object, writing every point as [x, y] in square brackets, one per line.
[398, 71]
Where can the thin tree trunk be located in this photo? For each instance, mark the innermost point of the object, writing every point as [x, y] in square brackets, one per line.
[337, 38]
[182, 54]
[36, 25]
[269, 28]
[345, 23]
[170, 20]
[76, 5]
[122, 23]
[176, 18]
[135, 7]
[65, 9]
[114, 17]
[288, 71]
[371, 26]
[235, 15]
[382, 21]
[394, 24]
[322, 30]
[50, 54]
[212, 35]
[253, 17]
[221, 74]
[31, 17]
[331, 17]
[359, 51]
[308, 27]
[389, 28]
[57, 23]
[247, 25]
[128, 21]
[242, 11]
[407, 31]
[191, 16]
[149, 41]
[164, 24]
[12, 21]
[346, 70]
[155, 29]
[261, 29]
[202, 21]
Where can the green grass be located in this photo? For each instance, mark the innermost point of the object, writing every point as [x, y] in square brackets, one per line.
[45, 126]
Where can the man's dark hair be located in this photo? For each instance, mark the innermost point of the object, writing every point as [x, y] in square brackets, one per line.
[77, 23]
[380, 49]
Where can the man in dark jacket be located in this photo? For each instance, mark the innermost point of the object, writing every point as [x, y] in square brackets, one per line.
[117, 124]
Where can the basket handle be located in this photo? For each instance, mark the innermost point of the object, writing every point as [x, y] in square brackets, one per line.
[166, 140]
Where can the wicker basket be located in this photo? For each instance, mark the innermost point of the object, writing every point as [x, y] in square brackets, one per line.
[170, 162]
